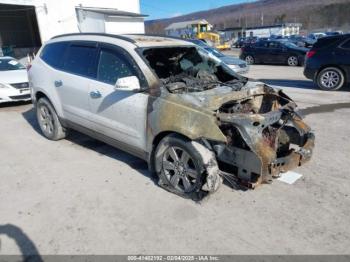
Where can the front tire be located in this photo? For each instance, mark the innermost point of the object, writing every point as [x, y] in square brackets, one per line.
[330, 79]
[181, 168]
[48, 120]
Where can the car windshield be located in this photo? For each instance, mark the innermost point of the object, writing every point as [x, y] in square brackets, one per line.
[190, 69]
[214, 52]
[8, 64]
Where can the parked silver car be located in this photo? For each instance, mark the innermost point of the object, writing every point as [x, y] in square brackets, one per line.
[238, 65]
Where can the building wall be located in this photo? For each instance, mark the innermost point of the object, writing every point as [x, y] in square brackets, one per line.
[119, 25]
[267, 32]
[264, 32]
[60, 17]
[90, 22]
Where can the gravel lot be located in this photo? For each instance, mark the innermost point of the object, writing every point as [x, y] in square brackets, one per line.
[80, 196]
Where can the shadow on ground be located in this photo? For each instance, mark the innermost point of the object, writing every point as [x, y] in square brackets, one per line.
[14, 104]
[97, 146]
[28, 249]
[304, 84]
[301, 84]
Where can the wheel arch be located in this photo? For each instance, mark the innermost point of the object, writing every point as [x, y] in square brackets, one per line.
[57, 106]
[156, 140]
[40, 94]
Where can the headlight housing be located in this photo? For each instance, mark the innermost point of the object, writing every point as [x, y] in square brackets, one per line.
[3, 86]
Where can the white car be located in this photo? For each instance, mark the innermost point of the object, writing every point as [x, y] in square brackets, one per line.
[13, 81]
[193, 119]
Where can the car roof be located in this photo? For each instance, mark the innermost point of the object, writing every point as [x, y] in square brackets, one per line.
[335, 37]
[151, 40]
[139, 40]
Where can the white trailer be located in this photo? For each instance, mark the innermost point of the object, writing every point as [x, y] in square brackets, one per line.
[26, 24]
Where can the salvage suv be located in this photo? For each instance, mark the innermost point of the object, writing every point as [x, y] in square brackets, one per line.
[172, 104]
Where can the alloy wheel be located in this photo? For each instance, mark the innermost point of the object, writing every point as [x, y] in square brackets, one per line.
[180, 169]
[330, 79]
[46, 119]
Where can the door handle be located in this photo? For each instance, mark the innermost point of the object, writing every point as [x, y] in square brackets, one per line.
[95, 94]
[58, 83]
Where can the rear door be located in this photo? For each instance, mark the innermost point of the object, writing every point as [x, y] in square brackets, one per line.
[118, 114]
[72, 82]
[259, 51]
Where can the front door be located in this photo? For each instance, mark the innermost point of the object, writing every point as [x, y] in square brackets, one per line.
[118, 114]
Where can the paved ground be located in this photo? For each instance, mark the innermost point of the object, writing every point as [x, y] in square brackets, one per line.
[80, 196]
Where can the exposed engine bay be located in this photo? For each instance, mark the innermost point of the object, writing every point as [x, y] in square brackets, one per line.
[188, 69]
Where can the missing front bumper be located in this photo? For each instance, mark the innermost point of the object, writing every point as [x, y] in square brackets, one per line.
[246, 169]
[269, 149]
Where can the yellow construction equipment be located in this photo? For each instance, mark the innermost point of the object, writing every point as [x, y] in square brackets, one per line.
[199, 29]
[203, 33]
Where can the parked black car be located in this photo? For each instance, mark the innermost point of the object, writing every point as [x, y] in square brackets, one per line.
[328, 62]
[274, 52]
[239, 43]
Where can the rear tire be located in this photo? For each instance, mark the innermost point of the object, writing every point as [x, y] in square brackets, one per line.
[48, 120]
[250, 60]
[330, 79]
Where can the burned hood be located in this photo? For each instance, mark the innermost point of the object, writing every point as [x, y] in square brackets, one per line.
[213, 99]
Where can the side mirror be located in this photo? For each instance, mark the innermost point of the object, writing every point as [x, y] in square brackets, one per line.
[129, 83]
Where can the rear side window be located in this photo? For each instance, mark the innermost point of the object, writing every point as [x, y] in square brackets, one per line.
[113, 65]
[53, 54]
[80, 60]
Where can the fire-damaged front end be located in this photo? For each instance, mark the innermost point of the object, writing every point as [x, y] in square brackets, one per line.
[247, 132]
[265, 137]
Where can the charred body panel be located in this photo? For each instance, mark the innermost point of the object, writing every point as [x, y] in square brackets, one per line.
[252, 129]
[275, 139]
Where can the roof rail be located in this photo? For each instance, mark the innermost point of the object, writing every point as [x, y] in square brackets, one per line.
[98, 34]
[164, 36]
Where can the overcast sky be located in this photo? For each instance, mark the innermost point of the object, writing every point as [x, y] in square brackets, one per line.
[169, 8]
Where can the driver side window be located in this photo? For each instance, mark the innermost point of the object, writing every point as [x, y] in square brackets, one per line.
[112, 66]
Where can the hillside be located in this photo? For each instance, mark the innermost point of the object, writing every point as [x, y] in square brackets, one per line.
[313, 14]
